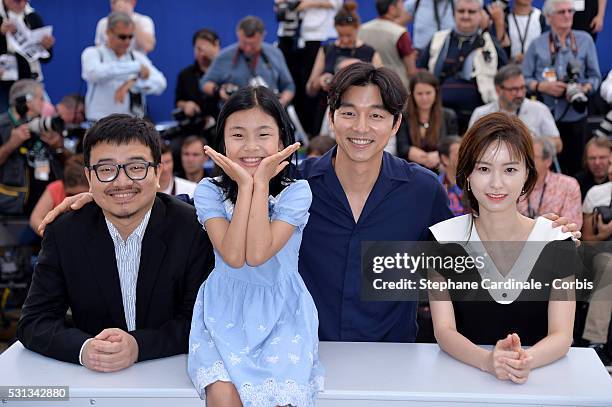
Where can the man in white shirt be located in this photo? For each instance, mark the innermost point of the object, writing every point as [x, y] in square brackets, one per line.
[144, 38]
[511, 90]
[117, 78]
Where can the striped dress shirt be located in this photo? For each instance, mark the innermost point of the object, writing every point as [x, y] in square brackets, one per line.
[127, 255]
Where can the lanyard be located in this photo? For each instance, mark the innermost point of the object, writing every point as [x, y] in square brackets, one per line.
[530, 212]
[522, 37]
[554, 46]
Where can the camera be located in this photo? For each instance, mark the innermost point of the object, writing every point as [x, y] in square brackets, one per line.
[182, 125]
[45, 124]
[573, 92]
[230, 89]
[284, 9]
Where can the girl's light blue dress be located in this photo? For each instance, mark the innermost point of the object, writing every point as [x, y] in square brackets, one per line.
[257, 327]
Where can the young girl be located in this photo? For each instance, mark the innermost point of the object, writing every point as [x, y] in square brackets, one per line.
[254, 333]
[495, 167]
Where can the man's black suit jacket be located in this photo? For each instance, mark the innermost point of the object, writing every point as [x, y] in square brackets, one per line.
[77, 269]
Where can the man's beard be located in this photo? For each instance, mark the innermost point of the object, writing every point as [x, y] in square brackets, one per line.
[514, 105]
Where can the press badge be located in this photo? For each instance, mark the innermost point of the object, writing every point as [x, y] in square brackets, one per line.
[41, 170]
[549, 74]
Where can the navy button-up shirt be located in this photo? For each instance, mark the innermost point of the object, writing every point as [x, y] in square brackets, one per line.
[405, 200]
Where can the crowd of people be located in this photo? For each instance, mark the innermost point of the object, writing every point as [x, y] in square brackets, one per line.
[474, 126]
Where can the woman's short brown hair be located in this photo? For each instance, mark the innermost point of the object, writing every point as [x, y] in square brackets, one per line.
[495, 127]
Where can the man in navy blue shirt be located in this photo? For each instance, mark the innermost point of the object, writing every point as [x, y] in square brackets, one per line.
[361, 193]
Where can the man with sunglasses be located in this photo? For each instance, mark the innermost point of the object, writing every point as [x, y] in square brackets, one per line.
[128, 265]
[554, 61]
[144, 38]
[511, 91]
[117, 78]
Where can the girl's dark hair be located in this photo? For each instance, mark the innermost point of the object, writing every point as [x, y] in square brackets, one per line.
[247, 98]
[495, 128]
[435, 115]
[347, 15]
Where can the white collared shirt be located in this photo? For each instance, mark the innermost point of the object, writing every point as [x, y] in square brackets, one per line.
[127, 255]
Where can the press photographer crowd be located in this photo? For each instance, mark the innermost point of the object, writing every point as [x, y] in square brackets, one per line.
[457, 62]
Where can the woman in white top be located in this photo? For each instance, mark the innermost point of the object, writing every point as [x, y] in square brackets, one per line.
[495, 167]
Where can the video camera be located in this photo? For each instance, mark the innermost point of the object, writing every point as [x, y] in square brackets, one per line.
[183, 125]
[574, 93]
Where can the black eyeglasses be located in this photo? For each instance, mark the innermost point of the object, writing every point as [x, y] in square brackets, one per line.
[124, 37]
[514, 89]
[136, 171]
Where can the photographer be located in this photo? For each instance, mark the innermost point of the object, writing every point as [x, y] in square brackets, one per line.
[250, 61]
[561, 66]
[28, 156]
[303, 25]
[465, 61]
[199, 110]
[12, 11]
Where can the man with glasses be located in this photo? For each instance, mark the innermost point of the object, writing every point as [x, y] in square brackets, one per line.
[128, 265]
[511, 91]
[118, 79]
[465, 60]
[561, 67]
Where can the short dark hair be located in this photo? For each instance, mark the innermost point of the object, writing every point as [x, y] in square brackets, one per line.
[165, 148]
[189, 140]
[205, 34]
[446, 143]
[382, 6]
[72, 100]
[121, 129]
[251, 25]
[506, 72]
[392, 91]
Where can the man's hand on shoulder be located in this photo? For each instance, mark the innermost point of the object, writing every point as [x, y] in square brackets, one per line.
[565, 224]
[111, 350]
[73, 203]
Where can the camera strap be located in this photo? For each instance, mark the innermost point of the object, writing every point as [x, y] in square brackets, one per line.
[554, 46]
[137, 103]
[522, 36]
[531, 212]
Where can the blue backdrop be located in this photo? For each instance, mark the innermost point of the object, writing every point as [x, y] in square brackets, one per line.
[74, 23]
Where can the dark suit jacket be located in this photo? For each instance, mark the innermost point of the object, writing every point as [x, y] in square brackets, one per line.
[77, 269]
